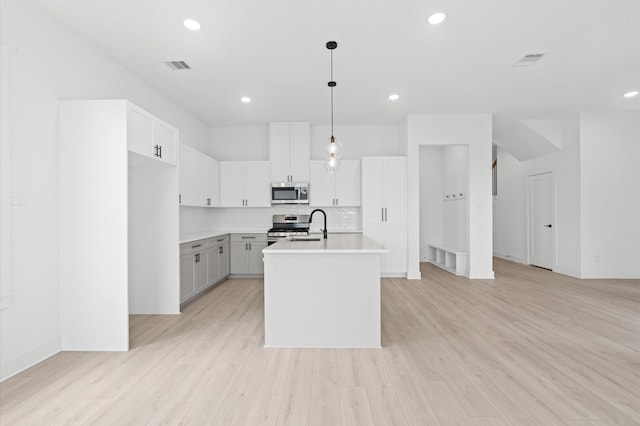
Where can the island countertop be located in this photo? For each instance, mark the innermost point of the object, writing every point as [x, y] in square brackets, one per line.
[335, 243]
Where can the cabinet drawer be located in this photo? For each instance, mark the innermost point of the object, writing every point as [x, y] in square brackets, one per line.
[194, 246]
[248, 238]
[219, 241]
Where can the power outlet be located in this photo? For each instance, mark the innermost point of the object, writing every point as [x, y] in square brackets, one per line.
[16, 200]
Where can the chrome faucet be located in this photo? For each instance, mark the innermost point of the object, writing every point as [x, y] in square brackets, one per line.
[324, 231]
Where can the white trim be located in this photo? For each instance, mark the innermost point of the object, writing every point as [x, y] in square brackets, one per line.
[412, 275]
[13, 366]
[512, 258]
[5, 174]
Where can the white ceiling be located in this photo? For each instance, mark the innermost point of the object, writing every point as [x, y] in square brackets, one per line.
[274, 52]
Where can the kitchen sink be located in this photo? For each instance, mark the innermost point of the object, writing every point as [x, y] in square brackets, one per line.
[305, 239]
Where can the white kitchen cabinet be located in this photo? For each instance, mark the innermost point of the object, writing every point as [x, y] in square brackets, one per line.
[212, 182]
[384, 208]
[246, 254]
[150, 136]
[341, 188]
[199, 178]
[186, 167]
[244, 184]
[289, 151]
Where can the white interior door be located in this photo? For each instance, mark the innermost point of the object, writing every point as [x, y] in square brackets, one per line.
[540, 218]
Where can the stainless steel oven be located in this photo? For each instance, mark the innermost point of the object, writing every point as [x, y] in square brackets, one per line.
[288, 225]
[289, 193]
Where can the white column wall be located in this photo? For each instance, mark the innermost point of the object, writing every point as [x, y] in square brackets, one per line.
[473, 130]
[610, 195]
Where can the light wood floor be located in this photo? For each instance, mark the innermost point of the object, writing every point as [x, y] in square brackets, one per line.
[531, 347]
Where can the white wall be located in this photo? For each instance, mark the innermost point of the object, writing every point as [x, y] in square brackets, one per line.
[509, 210]
[455, 207]
[510, 206]
[610, 188]
[252, 143]
[50, 63]
[596, 179]
[473, 130]
[443, 221]
[431, 186]
[239, 143]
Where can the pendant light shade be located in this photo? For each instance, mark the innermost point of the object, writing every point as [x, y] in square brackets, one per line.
[333, 150]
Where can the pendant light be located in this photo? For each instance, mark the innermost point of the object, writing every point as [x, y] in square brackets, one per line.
[333, 151]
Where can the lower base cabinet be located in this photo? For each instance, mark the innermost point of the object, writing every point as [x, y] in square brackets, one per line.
[203, 263]
[246, 254]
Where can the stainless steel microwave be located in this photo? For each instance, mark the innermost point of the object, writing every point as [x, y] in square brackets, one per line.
[289, 193]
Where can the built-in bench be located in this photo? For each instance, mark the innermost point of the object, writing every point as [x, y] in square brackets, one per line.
[450, 259]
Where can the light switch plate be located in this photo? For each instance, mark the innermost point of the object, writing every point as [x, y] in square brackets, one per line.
[16, 200]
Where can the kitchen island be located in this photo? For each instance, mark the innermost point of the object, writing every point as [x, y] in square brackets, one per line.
[323, 293]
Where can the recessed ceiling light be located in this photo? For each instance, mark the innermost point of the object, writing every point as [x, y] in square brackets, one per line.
[631, 94]
[245, 99]
[394, 97]
[191, 24]
[437, 18]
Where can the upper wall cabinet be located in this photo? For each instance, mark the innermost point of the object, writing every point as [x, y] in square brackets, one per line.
[289, 147]
[341, 188]
[199, 179]
[244, 184]
[150, 136]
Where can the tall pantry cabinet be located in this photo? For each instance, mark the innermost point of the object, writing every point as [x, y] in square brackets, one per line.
[384, 209]
[118, 220]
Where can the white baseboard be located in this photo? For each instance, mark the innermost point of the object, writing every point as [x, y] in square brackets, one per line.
[414, 275]
[567, 271]
[15, 365]
[510, 257]
[393, 275]
[609, 274]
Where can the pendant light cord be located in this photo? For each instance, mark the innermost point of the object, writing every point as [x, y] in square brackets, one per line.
[331, 97]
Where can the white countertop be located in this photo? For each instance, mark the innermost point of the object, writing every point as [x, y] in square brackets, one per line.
[211, 233]
[335, 243]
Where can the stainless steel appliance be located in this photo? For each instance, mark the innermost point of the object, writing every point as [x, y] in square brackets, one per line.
[288, 225]
[289, 193]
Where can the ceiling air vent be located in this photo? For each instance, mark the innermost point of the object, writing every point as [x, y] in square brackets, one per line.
[178, 65]
[528, 60]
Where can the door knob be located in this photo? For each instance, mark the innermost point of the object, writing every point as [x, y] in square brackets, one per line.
[547, 226]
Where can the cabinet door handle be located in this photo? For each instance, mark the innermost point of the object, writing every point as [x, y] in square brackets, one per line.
[382, 213]
[196, 246]
[248, 238]
[160, 150]
[385, 214]
[208, 201]
[249, 246]
[179, 198]
[197, 257]
[220, 250]
[220, 240]
[337, 201]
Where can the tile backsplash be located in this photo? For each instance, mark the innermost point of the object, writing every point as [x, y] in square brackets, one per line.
[196, 219]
